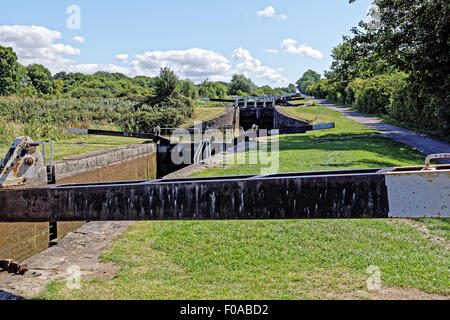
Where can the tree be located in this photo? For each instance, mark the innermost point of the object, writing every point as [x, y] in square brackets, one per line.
[9, 78]
[413, 35]
[212, 90]
[292, 88]
[309, 77]
[41, 78]
[166, 84]
[188, 89]
[241, 84]
[58, 85]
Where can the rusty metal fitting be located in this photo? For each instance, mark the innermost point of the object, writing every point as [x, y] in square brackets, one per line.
[29, 161]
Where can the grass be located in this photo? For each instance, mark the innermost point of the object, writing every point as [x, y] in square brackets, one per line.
[438, 227]
[306, 259]
[299, 102]
[349, 146]
[202, 114]
[264, 260]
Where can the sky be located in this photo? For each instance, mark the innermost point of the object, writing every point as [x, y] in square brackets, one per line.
[272, 42]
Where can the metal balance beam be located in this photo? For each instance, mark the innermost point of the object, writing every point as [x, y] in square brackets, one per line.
[408, 192]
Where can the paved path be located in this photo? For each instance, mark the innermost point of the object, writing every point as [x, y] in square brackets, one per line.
[422, 142]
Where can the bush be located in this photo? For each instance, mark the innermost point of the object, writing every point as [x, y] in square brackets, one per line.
[412, 104]
[8, 131]
[373, 95]
[350, 90]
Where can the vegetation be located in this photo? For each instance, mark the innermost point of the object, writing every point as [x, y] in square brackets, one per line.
[202, 114]
[309, 78]
[396, 64]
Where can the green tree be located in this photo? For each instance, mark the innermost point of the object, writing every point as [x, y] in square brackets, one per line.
[212, 90]
[58, 85]
[9, 77]
[309, 77]
[413, 35]
[166, 84]
[241, 84]
[41, 78]
[292, 88]
[188, 89]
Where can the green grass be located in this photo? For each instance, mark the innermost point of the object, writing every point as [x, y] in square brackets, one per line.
[202, 114]
[349, 146]
[298, 102]
[264, 260]
[438, 227]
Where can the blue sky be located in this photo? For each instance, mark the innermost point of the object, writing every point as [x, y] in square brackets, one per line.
[273, 42]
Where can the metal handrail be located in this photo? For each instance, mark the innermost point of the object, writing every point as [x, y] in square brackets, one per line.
[205, 144]
[435, 156]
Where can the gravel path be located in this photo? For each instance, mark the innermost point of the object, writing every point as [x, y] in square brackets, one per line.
[422, 142]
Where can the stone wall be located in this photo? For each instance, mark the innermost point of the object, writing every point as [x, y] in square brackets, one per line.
[89, 162]
[281, 120]
[229, 117]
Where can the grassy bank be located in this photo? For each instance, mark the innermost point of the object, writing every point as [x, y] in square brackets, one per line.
[202, 114]
[265, 260]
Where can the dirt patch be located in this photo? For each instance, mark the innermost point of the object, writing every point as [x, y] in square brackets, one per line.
[106, 271]
[388, 293]
[78, 251]
[385, 293]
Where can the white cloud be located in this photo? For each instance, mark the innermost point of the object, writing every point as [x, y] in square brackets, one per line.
[195, 64]
[93, 68]
[36, 44]
[270, 12]
[122, 57]
[249, 65]
[290, 45]
[271, 50]
[79, 39]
